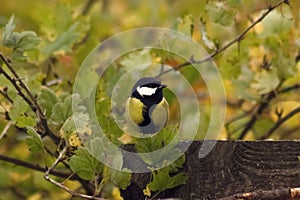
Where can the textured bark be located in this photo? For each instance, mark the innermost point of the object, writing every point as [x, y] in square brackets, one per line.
[232, 167]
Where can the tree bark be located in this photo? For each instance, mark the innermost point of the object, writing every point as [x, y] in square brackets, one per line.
[231, 167]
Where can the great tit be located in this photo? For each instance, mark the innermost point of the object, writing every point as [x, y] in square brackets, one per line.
[147, 109]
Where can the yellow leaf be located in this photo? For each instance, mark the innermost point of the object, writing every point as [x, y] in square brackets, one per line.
[74, 140]
[147, 191]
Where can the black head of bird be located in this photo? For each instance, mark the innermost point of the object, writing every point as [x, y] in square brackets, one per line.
[147, 107]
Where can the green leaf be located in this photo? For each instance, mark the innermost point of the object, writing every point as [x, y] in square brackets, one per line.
[8, 30]
[62, 110]
[77, 123]
[164, 141]
[84, 164]
[218, 13]
[161, 180]
[47, 99]
[22, 121]
[22, 41]
[266, 81]
[138, 58]
[262, 126]
[185, 25]
[106, 152]
[34, 140]
[63, 42]
[120, 178]
[21, 114]
[161, 139]
[276, 23]
[108, 124]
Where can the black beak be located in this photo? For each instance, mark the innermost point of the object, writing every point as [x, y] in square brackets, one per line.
[162, 86]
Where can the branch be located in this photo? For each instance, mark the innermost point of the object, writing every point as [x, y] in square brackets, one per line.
[30, 100]
[262, 106]
[238, 39]
[60, 185]
[292, 193]
[87, 7]
[5, 95]
[279, 123]
[4, 131]
[33, 166]
[290, 88]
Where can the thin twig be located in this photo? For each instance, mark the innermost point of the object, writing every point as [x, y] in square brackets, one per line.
[290, 88]
[29, 98]
[87, 7]
[280, 122]
[33, 166]
[60, 185]
[238, 39]
[4, 131]
[5, 95]
[262, 106]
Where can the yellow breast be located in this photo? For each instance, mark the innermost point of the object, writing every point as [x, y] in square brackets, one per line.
[159, 115]
[135, 110]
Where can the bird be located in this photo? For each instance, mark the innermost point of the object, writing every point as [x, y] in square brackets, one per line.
[148, 110]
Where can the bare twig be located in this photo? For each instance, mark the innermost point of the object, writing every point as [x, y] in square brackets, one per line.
[259, 108]
[238, 39]
[280, 122]
[33, 166]
[292, 193]
[87, 6]
[28, 97]
[5, 95]
[263, 105]
[60, 185]
[4, 131]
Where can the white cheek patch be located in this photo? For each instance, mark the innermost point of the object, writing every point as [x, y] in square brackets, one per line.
[146, 91]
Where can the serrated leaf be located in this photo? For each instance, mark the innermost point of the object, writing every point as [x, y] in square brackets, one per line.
[76, 128]
[84, 164]
[62, 110]
[24, 41]
[277, 22]
[120, 178]
[185, 25]
[34, 140]
[19, 108]
[63, 42]
[108, 124]
[8, 30]
[209, 43]
[161, 180]
[21, 41]
[106, 152]
[266, 81]
[22, 121]
[218, 13]
[136, 59]
[163, 141]
[20, 113]
[47, 99]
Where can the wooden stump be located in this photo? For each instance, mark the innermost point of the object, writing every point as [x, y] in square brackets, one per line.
[231, 167]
